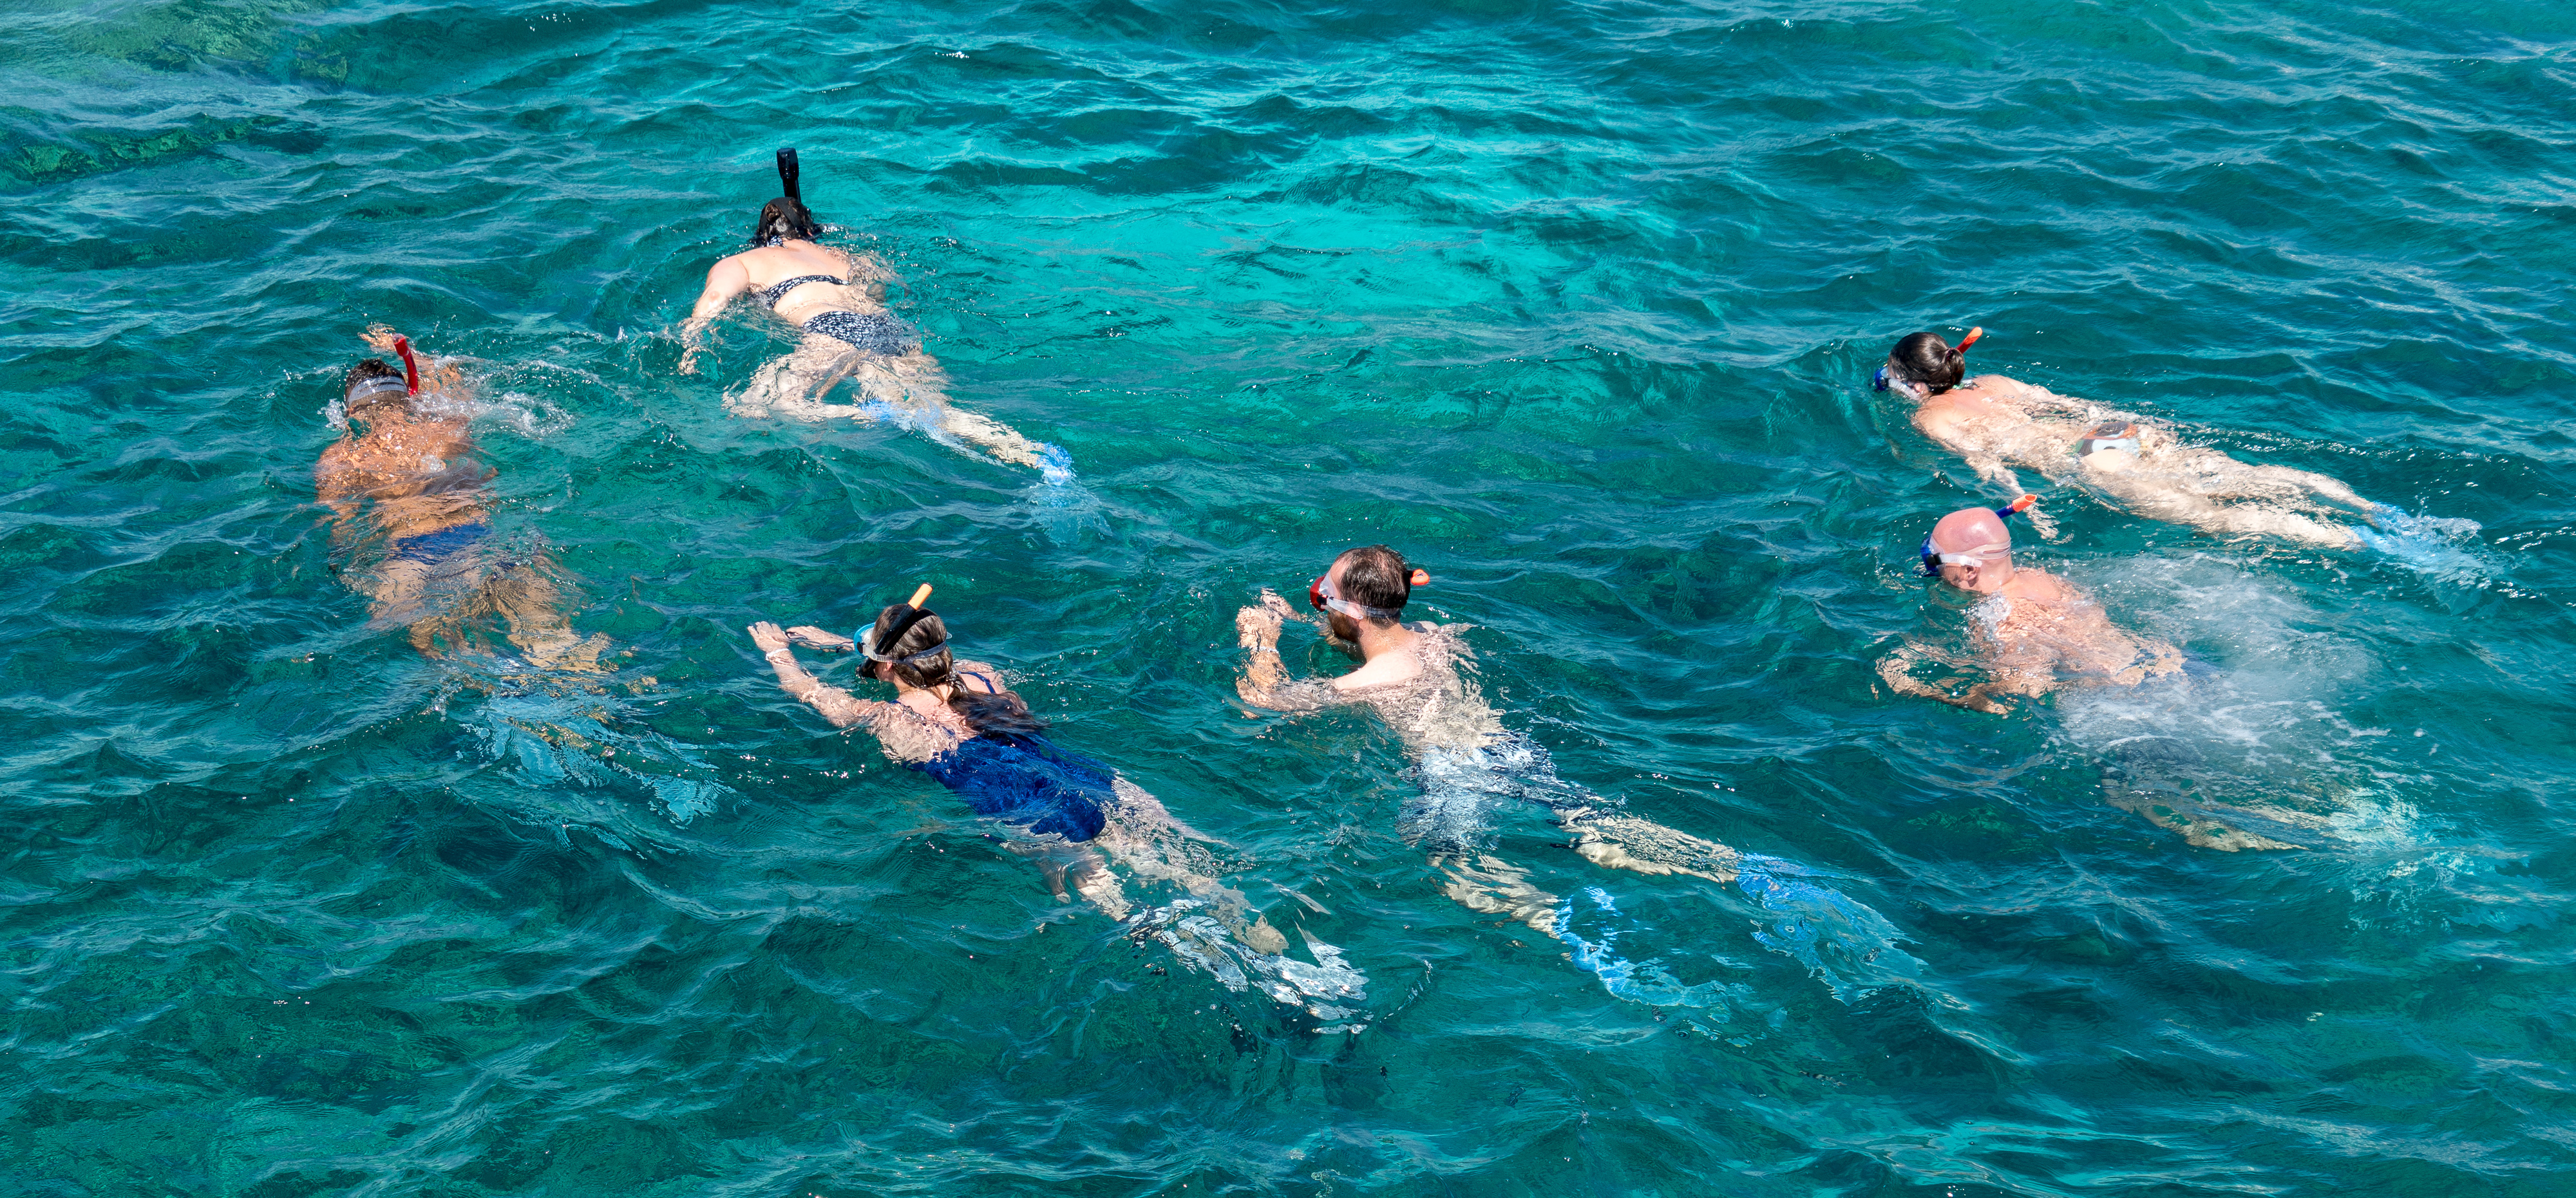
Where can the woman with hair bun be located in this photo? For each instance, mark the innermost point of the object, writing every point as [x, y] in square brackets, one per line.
[837, 301]
[1998, 423]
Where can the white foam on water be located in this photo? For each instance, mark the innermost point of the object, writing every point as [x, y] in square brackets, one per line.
[2256, 742]
[1648, 981]
[1330, 988]
[1847, 946]
[2445, 549]
[554, 741]
[1065, 508]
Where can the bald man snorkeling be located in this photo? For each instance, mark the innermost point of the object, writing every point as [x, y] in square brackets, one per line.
[2032, 632]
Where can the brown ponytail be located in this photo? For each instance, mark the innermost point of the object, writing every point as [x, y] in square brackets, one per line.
[1926, 359]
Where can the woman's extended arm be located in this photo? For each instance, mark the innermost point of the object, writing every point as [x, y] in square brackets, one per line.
[725, 280]
[837, 705]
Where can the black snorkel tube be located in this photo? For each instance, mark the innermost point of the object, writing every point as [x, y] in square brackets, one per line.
[787, 174]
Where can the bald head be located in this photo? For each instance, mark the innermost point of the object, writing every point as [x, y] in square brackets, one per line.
[1970, 549]
[1968, 528]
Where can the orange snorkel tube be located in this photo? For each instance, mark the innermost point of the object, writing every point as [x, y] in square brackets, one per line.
[1970, 339]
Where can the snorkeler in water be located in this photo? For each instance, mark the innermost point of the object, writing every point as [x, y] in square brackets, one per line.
[1466, 761]
[837, 300]
[2032, 631]
[957, 722]
[1997, 423]
[405, 481]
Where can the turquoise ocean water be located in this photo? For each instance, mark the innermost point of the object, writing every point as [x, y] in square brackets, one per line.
[1573, 302]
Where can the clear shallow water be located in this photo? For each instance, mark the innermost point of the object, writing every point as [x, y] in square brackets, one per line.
[1575, 304]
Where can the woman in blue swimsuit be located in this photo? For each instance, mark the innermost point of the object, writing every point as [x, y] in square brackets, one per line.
[957, 722]
[837, 300]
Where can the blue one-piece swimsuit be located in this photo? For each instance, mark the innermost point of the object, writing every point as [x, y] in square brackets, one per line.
[1027, 781]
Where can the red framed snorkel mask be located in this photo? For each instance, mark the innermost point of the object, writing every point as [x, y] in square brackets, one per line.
[1321, 594]
[1325, 599]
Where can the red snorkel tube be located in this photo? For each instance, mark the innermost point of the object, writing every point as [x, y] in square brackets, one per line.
[411, 369]
[1971, 338]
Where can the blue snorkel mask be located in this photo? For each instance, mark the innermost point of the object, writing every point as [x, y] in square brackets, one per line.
[1878, 382]
[1933, 559]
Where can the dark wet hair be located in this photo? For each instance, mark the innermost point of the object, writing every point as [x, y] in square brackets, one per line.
[1925, 358]
[1375, 576]
[1002, 716]
[783, 217]
[371, 368]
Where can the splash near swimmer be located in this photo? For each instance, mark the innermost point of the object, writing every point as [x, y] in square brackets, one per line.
[847, 339]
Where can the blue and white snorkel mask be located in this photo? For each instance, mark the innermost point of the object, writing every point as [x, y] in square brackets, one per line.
[1933, 559]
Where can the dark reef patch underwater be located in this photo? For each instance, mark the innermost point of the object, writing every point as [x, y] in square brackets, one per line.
[1575, 303]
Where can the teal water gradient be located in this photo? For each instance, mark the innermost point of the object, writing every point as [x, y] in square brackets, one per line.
[1575, 303]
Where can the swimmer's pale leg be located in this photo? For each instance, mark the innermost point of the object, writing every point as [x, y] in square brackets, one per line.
[395, 591]
[783, 385]
[1142, 835]
[1614, 839]
[1493, 886]
[528, 600]
[915, 384]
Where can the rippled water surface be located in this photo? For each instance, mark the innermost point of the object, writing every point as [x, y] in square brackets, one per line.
[1575, 304]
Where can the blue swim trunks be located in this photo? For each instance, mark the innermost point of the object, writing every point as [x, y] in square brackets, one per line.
[431, 546]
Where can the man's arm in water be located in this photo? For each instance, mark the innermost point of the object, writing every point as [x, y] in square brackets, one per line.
[837, 705]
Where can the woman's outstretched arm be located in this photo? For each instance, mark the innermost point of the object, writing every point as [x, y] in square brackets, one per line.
[725, 280]
[837, 705]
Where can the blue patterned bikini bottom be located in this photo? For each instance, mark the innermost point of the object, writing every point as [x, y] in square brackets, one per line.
[870, 332]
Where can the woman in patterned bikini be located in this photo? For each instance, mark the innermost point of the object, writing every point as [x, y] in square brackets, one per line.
[837, 300]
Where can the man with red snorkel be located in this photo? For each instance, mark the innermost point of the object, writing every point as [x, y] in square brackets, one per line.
[405, 482]
[1469, 765]
[1467, 762]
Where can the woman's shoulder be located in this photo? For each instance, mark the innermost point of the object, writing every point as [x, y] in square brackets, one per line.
[982, 676]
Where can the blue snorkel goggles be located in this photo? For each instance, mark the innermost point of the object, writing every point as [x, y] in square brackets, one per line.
[1933, 559]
